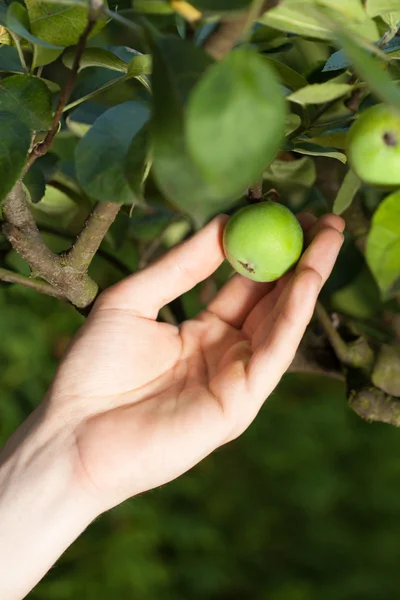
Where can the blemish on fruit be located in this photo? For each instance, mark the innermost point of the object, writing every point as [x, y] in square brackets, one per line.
[390, 139]
[246, 266]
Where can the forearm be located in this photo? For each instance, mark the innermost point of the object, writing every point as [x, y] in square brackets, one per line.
[42, 509]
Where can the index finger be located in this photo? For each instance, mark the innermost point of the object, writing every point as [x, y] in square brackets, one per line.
[173, 274]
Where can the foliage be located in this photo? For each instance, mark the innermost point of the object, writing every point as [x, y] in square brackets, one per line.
[168, 112]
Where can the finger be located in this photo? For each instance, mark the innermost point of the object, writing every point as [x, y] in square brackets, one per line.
[237, 298]
[173, 274]
[306, 220]
[322, 252]
[328, 220]
[319, 256]
[273, 357]
[240, 295]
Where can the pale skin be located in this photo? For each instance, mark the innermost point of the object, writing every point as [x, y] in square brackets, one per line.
[135, 402]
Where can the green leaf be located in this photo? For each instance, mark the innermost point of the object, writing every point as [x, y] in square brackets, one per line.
[292, 123]
[44, 56]
[35, 183]
[301, 17]
[136, 162]
[235, 122]
[371, 70]
[300, 172]
[96, 57]
[319, 93]
[314, 150]
[377, 8]
[177, 66]
[288, 76]
[17, 20]
[140, 65]
[80, 120]
[59, 24]
[29, 98]
[100, 155]
[349, 188]
[383, 246]
[9, 60]
[334, 139]
[14, 146]
[295, 19]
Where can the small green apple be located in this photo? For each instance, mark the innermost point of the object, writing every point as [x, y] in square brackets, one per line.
[374, 146]
[263, 241]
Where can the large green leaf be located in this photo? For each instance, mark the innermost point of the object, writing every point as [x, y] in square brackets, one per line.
[235, 122]
[101, 154]
[319, 93]
[370, 69]
[29, 98]
[177, 66]
[59, 24]
[17, 20]
[14, 146]
[383, 246]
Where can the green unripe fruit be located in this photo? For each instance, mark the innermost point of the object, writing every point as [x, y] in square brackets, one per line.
[374, 146]
[263, 241]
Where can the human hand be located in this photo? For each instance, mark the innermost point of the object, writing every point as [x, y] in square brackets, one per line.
[144, 401]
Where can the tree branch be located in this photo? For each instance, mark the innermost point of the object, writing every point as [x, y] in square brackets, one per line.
[68, 273]
[88, 241]
[34, 284]
[372, 404]
[232, 27]
[22, 232]
[356, 354]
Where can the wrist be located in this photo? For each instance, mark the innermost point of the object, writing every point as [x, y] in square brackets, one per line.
[42, 507]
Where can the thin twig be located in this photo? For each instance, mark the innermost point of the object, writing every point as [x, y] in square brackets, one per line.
[29, 282]
[21, 56]
[65, 94]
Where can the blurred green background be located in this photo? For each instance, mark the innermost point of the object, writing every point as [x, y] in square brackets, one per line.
[304, 506]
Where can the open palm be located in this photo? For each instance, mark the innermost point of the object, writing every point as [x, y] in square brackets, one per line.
[146, 400]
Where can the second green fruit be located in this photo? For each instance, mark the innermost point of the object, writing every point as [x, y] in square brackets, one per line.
[374, 146]
[263, 241]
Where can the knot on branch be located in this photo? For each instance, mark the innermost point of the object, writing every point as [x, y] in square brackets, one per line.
[372, 404]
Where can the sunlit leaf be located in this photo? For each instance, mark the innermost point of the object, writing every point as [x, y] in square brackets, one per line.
[235, 122]
[383, 246]
[59, 24]
[319, 93]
